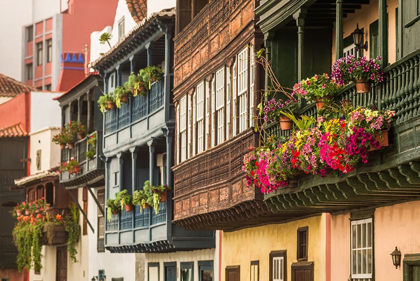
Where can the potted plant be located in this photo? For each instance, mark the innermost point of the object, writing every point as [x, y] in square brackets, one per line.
[319, 88]
[151, 74]
[140, 198]
[62, 138]
[136, 85]
[125, 199]
[72, 166]
[90, 154]
[359, 70]
[273, 111]
[121, 96]
[162, 191]
[106, 102]
[113, 208]
[76, 127]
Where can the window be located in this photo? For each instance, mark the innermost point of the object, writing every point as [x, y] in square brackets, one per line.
[242, 88]
[200, 117]
[153, 271]
[251, 85]
[220, 105]
[85, 210]
[205, 271]
[233, 273]
[121, 28]
[361, 250]
[235, 100]
[100, 246]
[116, 177]
[213, 106]
[30, 33]
[302, 244]
[49, 50]
[187, 271]
[207, 105]
[228, 97]
[29, 71]
[189, 126]
[349, 47]
[374, 34]
[48, 87]
[278, 268]
[411, 267]
[255, 271]
[183, 128]
[39, 54]
[178, 141]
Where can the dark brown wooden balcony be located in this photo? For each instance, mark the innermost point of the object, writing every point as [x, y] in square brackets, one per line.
[392, 175]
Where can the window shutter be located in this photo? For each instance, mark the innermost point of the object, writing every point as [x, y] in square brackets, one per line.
[228, 97]
[206, 126]
[178, 134]
[220, 104]
[235, 99]
[200, 117]
[213, 115]
[189, 126]
[251, 85]
[194, 112]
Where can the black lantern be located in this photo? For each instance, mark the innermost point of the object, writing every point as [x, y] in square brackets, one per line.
[396, 257]
[358, 39]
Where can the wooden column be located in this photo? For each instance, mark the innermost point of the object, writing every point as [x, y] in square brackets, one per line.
[168, 73]
[383, 32]
[133, 63]
[121, 170]
[339, 29]
[300, 23]
[79, 108]
[169, 157]
[151, 161]
[149, 48]
[133, 168]
[106, 76]
[119, 75]
[89, 112]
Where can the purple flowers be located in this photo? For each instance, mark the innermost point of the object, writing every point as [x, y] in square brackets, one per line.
[347, 69]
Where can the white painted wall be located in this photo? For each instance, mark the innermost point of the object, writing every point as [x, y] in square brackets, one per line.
[48, 269]
[3, 99]
[96, 48]
[50, 152]
[45, 112]
[122, 11]
[115, 265]
[44, 9]
[154, 6]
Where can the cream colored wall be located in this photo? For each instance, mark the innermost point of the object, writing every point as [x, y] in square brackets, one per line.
[255, 244]
[364, 17]
[48, 265]
[397, 225]
[3, 99]
[50, 152]
[154, 6]
[178, 257]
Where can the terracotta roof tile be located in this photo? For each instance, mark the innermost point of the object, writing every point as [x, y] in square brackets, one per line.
[138, 9]
[10, 87]
[14, 131]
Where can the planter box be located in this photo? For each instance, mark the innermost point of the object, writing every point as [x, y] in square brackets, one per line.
[60, 236]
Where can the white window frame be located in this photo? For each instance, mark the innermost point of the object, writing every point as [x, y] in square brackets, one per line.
[194, 123]
[178, 123]
[364, 249]
[207, 109]
[220, 104]
[183, 127]
[189, 111]
[235, 98]
[243, 88]
[251, 85]
[278, 268]
[213, 112]
[200, 117]
[228, 99]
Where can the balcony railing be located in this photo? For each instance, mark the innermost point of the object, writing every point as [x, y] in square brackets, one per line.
[400, 92]
[79, 153]
[136, 109]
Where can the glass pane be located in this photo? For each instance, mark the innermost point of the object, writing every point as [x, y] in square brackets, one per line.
[354, 261]
[369, 260]
[275, 267]
[206, 275]
[364, 261]
[353, 245]
[364, 235]
[359, 258]
[359, 234]
[369, 234]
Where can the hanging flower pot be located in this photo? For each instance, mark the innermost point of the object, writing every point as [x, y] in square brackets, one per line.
[124, 98]
[128, 208]
[382, 138]
[110, 105]
[362, 86]
[71, 145]
[163, 196]
[62, 146]
[320, 102]
[285, 123]
[142, 88]
[81, 136]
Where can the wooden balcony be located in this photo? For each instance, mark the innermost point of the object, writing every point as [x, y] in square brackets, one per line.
[148, 232]
[136, 121]
[209, 33]
[91, 170]
[391, 175]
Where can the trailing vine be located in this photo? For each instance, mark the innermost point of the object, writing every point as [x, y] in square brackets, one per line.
[72, 227]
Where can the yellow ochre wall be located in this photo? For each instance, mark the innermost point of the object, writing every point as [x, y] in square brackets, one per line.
[255, 244]
[364, 17]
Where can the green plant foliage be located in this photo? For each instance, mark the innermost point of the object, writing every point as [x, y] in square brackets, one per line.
[71, 224]
[113, 206]
[103, 101]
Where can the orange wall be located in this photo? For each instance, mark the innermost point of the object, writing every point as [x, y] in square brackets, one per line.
[16, 111]
[48, 68]
[39, 28]
[38, 71]
[29, 48]
[13, 275]
[48, 25]
[364, 17]
[397, 225]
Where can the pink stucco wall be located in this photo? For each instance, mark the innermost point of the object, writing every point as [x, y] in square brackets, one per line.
[397, 225]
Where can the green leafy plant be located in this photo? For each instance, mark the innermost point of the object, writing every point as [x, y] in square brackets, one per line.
[63, 137]
[92, 146]
[303, 123]
[113, 207]
[71, 224]
[120, 92]
[104, 99]
[151, 74]
[136, 85]
[76, 127]
[316, 87]
[105, 38]
[123, 198]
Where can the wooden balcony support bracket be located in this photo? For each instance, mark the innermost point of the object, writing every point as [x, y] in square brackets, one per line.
[339, 29]
[82, 211]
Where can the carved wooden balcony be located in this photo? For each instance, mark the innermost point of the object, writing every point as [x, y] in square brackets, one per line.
[148, 232]
[208, 34]
[391, 175]
[91, 170]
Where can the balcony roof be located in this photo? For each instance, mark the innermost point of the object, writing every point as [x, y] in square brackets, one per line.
[14, 131]
[37, 178]
[10, 87]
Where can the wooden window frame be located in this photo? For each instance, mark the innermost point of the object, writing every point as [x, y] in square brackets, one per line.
[254, 263]
[186, 265]
[39, 53]
[29, 71]
[276, 254]
[101, 249]
[234, 268]
[200, 117]
[220, 103]
[49, 50]
[243, 88]
[183, 130]
[205, 265]
[299, 243]
[409, 261]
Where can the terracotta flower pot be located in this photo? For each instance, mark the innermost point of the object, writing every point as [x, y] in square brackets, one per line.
[115, 212]
[285, 123]
[62, 146]
[128, 208]
[146, 206]
[164, 196]
[319, 102]
[153, 79]
[81, 136]
[111, 105]
[142, 88]
[382, 138]
[124, 98]
[71, 145]
[363, 86]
